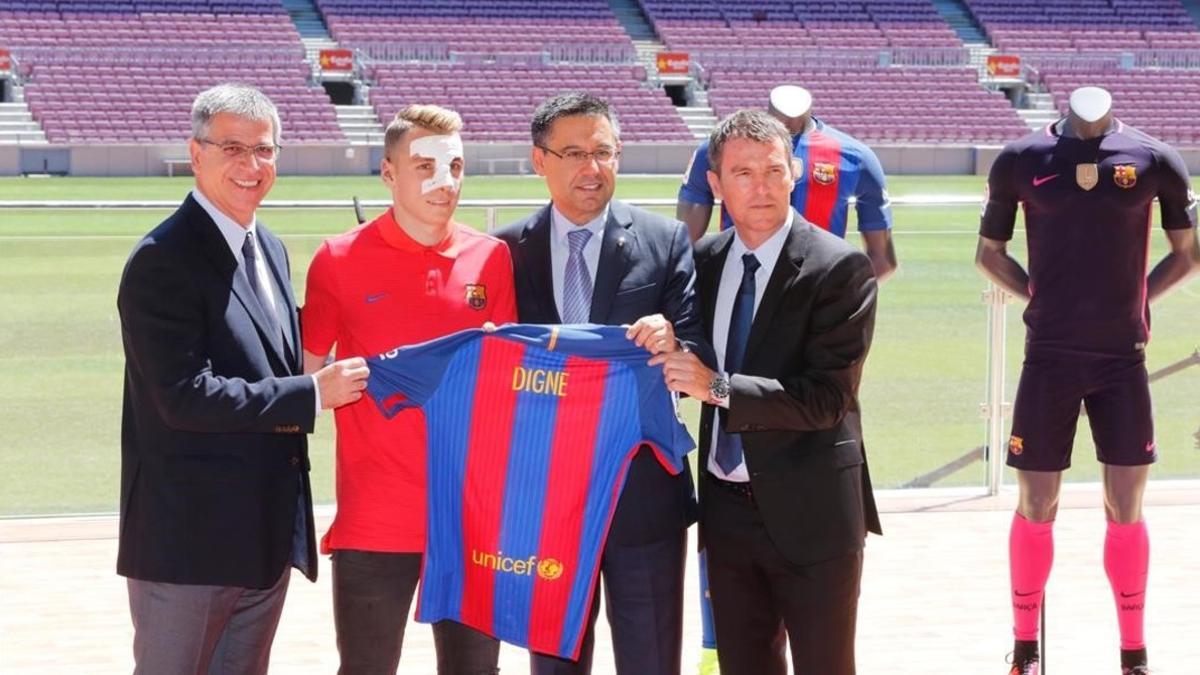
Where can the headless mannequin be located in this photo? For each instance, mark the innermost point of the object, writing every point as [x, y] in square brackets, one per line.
[1090, 116]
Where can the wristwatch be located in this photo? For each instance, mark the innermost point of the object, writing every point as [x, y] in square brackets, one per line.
[718, 390]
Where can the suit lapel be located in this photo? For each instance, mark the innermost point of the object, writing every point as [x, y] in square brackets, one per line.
[217, 251]
[787, 269]
[708, 279]
[535, 252]
[615, 250]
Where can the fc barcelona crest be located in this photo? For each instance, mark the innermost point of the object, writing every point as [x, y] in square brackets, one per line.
[1016, 445]
[1125, 175]
[476, 296]
[824, 173]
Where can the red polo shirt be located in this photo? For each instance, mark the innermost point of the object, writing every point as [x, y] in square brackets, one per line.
[370, 290]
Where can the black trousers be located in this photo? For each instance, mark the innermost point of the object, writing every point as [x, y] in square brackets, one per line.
[372, 595]
[760, 599]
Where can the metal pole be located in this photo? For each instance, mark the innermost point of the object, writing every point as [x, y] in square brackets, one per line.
[490, 215]
[1042, 651]
[995, 299]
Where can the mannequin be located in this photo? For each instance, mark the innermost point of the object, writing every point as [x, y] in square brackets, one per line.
[1087, 332]
[827, 160]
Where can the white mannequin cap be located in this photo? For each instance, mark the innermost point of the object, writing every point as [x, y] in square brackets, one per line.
[1090, 103]
[790, 100]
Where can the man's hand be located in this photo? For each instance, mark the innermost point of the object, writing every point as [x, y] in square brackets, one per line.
[654, 333]
[685, 373]
[342, 382]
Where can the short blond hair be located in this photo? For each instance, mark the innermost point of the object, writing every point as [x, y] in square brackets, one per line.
[431, 117]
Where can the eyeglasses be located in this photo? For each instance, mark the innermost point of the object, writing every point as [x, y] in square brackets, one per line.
[603, 156]
[234, 150]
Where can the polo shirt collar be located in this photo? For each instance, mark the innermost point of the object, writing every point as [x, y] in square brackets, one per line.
[397, 238]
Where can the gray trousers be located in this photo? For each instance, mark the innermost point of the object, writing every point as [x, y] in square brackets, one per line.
[181, 629]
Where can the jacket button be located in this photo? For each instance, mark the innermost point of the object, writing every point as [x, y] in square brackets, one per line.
[294, 460]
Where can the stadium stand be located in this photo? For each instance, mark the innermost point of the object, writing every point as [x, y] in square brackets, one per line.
[1163, 103]
[887, 71]
[127, 72]
[496, 101]
[834, 49]
[891, 105]
[482, 26]
[1122, 45]
[1081, 26]
[499, 59]
[708, 25]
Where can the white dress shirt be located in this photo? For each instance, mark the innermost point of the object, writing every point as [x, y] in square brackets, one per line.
[731, 279]
[560, 250]
[235, 235]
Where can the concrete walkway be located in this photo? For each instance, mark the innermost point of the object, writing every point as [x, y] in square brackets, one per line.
[935, 595]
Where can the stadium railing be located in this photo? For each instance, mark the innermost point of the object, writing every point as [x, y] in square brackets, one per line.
[837, 58]
[1095, 60]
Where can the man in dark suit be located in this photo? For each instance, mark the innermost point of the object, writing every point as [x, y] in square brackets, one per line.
[586, 258]
[215, 498]
[785, 499]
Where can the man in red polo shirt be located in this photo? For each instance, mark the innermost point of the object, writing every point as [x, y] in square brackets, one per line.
[410, 275]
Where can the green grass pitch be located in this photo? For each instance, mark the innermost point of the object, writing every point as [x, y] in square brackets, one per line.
[61, 361]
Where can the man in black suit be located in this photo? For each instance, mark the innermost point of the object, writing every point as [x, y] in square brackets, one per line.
[785, 499]
[586, 258]
[215, 498]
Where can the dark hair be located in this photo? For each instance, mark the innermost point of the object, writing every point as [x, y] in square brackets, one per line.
[567, 104]
[754, 125]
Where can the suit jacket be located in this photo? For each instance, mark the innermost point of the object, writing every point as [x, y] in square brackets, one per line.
[214, 460]
[645, 268]
[795, 402]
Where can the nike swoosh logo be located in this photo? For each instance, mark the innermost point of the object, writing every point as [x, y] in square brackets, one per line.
[1038, 180]
[1131, 595]
[376, 298]
[1019, 594]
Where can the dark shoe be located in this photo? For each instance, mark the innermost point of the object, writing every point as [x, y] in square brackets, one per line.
[1133, 662]
[1024, 658]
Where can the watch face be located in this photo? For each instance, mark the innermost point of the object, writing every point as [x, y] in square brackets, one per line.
[719, 387]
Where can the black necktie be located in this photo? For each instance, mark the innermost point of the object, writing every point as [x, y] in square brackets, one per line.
[729, 446]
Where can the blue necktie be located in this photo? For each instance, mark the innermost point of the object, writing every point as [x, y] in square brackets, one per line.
[577, 283]
[729, 446]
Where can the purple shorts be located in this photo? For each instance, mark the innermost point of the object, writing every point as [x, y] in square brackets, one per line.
[1115, 390]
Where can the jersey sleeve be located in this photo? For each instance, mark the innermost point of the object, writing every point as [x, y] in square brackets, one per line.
[1176, 200]
[872, 204]
[321, 314]
[695, 189]
[407, 377]
[1001, 199]
[661, 425]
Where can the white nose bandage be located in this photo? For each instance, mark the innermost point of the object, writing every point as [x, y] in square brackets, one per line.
[442, 150]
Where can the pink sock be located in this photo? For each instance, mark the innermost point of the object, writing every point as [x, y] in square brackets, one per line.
[1030, 556]
[1127, 561]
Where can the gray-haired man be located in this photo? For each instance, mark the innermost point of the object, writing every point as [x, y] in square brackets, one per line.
[215, 499]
